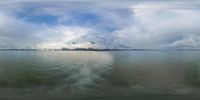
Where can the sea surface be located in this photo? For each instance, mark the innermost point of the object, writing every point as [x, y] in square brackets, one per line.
[99, 75]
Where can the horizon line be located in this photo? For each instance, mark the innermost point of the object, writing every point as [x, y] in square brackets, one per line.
[92, 49]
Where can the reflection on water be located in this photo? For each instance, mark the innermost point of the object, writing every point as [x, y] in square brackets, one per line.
[86, 68]
[100, 75]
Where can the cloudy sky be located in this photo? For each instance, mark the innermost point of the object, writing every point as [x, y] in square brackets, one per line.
[99, 23]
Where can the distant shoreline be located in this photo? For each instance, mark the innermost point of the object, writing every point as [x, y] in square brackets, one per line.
[100, 50]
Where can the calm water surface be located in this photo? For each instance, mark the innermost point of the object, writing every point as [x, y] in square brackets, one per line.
[90, 75]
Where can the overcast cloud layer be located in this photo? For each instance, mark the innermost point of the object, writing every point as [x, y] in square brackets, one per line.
[99, 24]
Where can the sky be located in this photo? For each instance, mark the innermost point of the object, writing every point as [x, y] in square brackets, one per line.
[138, 24]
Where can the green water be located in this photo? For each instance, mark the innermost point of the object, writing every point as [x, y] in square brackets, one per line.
[90, 75]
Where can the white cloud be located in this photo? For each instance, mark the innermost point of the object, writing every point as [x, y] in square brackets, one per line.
[187, 42]
[62, 36]
[16, 33]
[138, 24]
[157, 24]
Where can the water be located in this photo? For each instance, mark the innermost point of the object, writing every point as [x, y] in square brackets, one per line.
[90, 75]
